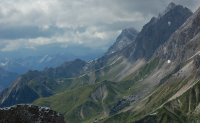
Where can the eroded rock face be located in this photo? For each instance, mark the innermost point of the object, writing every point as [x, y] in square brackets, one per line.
[196, 65]
[158, 31]
[29, 114]
[126, 37]
[197, 62]
[184, 42]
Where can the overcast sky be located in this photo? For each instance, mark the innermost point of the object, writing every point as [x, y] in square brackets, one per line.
[92, 23]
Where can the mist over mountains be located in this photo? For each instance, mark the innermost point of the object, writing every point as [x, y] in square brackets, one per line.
[146, 76]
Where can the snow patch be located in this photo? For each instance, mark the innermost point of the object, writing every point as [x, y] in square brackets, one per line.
[169, 23]
[90, 61]
[168, 61]
[153, 114]
[46, 58]
[4, 63]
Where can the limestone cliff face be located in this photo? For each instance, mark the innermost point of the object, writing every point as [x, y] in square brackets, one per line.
[184, 43]
[158, 31]
[126, 38]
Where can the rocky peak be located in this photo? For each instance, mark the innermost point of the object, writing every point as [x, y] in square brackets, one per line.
[126, 37]
[158, 31]
[129, 31]
[186, 38]
[170, 7]
[196, 62]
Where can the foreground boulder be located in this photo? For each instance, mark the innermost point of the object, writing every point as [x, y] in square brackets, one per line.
[29, 114]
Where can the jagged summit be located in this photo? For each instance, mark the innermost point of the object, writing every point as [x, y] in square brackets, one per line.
[129, 30]
[183, 40]
[172, 6]
[126, 37]
[157, 31]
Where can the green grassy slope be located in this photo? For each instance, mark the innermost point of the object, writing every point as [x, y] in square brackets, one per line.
[175, 100]
[84, 104]
[89, 103]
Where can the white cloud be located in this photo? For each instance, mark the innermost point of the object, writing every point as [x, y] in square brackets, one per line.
[92, 23]
[86, 39]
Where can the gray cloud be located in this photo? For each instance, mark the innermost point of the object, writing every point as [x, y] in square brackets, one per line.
[91, 23]
[19, 32]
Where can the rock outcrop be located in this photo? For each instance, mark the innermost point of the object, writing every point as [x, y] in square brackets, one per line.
[29, 114]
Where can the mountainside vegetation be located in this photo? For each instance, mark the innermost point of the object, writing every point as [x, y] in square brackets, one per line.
[153, 78]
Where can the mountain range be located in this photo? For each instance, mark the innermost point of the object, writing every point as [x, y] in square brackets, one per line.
[151, 76]
[12, 66]
[6, 78]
